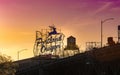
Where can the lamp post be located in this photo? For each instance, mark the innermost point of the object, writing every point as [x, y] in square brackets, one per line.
[102, 21]
[19, 52]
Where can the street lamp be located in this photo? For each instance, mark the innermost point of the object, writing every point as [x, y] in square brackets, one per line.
[102, 21]
[19, 52]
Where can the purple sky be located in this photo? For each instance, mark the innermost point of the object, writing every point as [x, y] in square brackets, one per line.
[81, 18]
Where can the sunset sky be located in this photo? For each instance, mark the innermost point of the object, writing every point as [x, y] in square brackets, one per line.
[19, 19]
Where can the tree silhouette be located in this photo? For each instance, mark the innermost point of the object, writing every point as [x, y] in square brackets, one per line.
[7, 67]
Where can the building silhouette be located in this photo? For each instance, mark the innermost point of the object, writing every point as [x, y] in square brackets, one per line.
[102, 61]
[118, 33]
[71, 45]
[111, 42]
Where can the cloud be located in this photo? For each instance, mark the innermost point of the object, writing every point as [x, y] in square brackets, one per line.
[104, 7]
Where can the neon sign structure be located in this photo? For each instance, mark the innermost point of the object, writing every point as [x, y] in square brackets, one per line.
[48, 41]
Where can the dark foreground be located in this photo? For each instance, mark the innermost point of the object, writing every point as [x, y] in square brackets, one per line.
[80, 64]
[77, 65]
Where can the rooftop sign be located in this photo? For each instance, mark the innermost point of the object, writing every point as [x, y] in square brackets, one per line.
[48, 42]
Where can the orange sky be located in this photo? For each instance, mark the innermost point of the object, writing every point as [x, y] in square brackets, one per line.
[19, 19]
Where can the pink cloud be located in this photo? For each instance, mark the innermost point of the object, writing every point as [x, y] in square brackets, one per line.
[103, 7]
